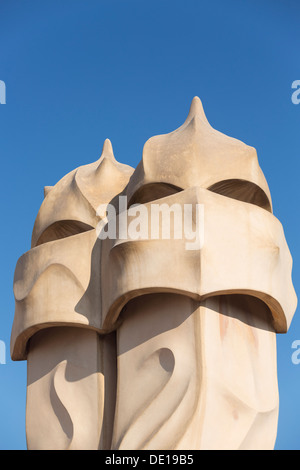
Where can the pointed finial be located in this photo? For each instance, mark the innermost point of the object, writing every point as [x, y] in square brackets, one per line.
[196, 109]
[47, 190]
[107, 150]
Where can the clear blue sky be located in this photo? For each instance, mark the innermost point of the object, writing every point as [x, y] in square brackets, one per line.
[80, 71]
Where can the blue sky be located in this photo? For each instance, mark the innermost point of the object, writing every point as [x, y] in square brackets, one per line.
[80, 71]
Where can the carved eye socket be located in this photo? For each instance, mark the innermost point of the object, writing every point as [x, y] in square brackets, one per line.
[152, 191]
[242, 191]
[63, 229]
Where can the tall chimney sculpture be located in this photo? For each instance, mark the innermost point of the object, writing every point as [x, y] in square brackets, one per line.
[148, 306]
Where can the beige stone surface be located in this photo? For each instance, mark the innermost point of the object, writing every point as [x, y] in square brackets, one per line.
[195, 154]
[205, 374]
[244, 251]
[70, 207]
[151, 341]
[53, 286]
[71, 379]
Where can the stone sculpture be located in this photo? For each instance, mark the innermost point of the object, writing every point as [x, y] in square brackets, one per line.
[136, 342]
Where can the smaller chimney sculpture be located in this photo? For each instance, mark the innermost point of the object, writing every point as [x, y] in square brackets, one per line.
[148, 305]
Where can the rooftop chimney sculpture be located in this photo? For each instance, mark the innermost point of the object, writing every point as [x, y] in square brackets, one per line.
[148, 305]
